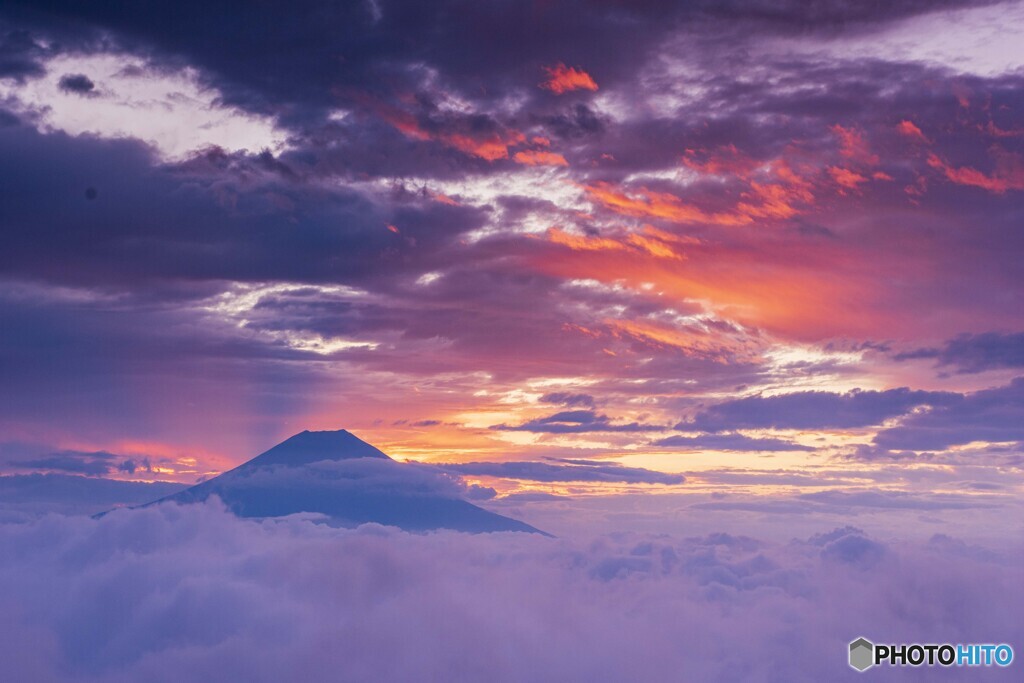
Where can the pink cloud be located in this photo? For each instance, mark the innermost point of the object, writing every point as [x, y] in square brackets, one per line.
[1008, 175]
[532, 157]
[562, 79]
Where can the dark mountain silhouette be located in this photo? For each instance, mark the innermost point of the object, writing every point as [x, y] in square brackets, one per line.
[350, 481]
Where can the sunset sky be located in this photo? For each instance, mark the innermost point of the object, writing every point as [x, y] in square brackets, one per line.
[617, 258]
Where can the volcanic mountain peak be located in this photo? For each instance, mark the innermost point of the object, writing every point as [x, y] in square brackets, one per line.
[309, 447]
[349, 481]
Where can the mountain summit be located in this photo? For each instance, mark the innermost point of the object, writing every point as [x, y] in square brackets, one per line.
[351, 482]
[308, 447]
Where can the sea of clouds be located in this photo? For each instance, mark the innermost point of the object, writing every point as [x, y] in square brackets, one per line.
[192, 593]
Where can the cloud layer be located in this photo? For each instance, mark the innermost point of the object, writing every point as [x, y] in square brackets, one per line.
[192, 593]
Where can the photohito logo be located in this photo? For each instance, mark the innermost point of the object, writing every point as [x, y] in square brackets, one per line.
[864, 654]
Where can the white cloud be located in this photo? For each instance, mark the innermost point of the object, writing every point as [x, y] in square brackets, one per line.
[190, 594]
[983, 41]
[172, 111]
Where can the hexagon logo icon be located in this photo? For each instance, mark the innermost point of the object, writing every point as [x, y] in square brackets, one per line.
[862, 654]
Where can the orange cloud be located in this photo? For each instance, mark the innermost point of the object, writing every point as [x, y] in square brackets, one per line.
[404, 122]
[653, 242]
[691, 341]
[444, 199]
[562, 78]
[768, 286]
[646, 203]
[727, 160]
[774, 200]
[909, 129]
[654, 247]
[852, 145]
[846, 178]
[1008, 175]
[490, 146]
[583, 242]
[532, 157]
[995, 131]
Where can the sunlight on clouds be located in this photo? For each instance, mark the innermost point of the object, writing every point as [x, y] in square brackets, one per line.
[237, 304]
[242, 298]
[982, 41]
[428, 278]
[548, 184]
[130, 98]
[547, 382]
[681, 176]
[782, 356]
[322, 345]
[836, 371]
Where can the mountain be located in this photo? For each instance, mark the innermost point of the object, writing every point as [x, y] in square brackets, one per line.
[351, 482]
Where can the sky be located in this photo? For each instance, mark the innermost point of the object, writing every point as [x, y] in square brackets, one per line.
[621, 264]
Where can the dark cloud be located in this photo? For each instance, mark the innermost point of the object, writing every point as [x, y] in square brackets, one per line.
[78, 463]
[799, 15]
[770, 506]
[569, 399]
[577, 422]
[852, 501]
[730, 442]
[79, 84]
[531, 497]
[892, 500]
[36, 457]
[971, 353]
[815, 410]
[194, 223]
[485, 49]
[20, 54]
[993, 415]
[565, 470]
[131, 465]
[577, 123]
[29, 495]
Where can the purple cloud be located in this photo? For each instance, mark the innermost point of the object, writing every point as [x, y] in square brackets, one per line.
[568, 470]
[814, 410]
[24, 496]
[206, 596]
[577, 422]
[971, 353]
[569, 399]
[730, 442]
[78, 84]
[993, 415]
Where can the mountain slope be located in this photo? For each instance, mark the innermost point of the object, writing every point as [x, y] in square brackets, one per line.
[350, 481]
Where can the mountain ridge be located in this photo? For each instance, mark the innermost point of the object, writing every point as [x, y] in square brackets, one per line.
[337, 474]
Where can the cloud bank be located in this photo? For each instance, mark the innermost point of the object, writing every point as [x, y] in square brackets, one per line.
[192, 593]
